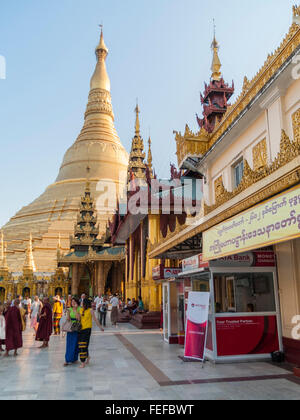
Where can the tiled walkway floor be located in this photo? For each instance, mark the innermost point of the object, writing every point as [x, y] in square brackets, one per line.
[131, 364]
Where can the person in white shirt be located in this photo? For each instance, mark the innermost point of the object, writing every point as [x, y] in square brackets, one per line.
[35, 313]
[114, 312]
[98, 301]
[103, 308]
[83, 296]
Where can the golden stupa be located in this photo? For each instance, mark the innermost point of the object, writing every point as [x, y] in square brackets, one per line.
[53, 214]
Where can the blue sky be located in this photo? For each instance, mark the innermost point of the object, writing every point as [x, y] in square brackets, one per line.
[159, 52]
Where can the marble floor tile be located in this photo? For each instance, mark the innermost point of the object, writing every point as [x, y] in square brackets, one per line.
[119, 372]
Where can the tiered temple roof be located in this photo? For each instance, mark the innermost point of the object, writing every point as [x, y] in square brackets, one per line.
[86, 230]
[216, 95]
[137, 166]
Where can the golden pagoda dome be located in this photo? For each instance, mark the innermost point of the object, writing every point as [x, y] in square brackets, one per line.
[55, 211]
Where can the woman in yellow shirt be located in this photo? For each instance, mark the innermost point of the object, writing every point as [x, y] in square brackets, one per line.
[86, 318]
[57, 315]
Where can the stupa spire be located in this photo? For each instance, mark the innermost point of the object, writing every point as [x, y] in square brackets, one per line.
[3, 259]
[150, 161]
[216, 63]
[137, 120]
[2, 249]
[59, 248]
[29, 264]
[137, 166]
[100, 79]
[4, 263]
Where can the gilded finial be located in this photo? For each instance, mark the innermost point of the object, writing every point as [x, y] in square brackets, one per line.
[137, 121]
[296, 14]
[29, 261]
[101, 50]
[2, 248]
[150, 161]
[296, 10]
[216, 64]
[59, 249]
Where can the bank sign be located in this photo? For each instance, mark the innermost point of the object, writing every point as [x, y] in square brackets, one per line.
[274, 221]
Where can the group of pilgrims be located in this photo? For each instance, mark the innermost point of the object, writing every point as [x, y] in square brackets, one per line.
[72, 318]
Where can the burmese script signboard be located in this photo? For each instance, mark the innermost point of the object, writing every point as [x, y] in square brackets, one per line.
[274, 221]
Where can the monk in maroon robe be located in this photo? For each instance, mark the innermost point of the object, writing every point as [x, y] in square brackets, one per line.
[13, 330]
[45, 325]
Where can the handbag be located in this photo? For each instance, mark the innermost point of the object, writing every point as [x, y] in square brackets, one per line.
[67, 326]
[76, 326]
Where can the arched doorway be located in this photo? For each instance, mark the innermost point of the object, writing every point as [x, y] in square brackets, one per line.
[2, 294]
[26, 292]
[58, 292]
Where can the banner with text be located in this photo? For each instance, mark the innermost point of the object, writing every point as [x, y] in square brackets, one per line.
[196, 325]
[274, 221]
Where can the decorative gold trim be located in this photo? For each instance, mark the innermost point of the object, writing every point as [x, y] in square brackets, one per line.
[285, 182]
[296, 126]
[296, 11]
[260, 156]
[191, 144]
[289, 150]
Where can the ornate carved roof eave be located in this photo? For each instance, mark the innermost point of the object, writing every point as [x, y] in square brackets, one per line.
[88, 258]
[107, 258]
[273, 64]
[228, 91]
[191, 145]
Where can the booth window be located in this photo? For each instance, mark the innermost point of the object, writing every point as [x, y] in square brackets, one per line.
[201, 283]
[244, 292]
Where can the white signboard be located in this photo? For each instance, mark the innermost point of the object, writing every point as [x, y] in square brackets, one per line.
[196, 325]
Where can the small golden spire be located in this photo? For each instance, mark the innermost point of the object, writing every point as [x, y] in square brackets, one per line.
[4, 263]
[29, 261]
[3, 260]
[2, 249]
[137, 166]
[100, 79]
[216, 63]
[101, 46]
[296, 14]
[59, 248]
[137, 121]
[150, 157]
